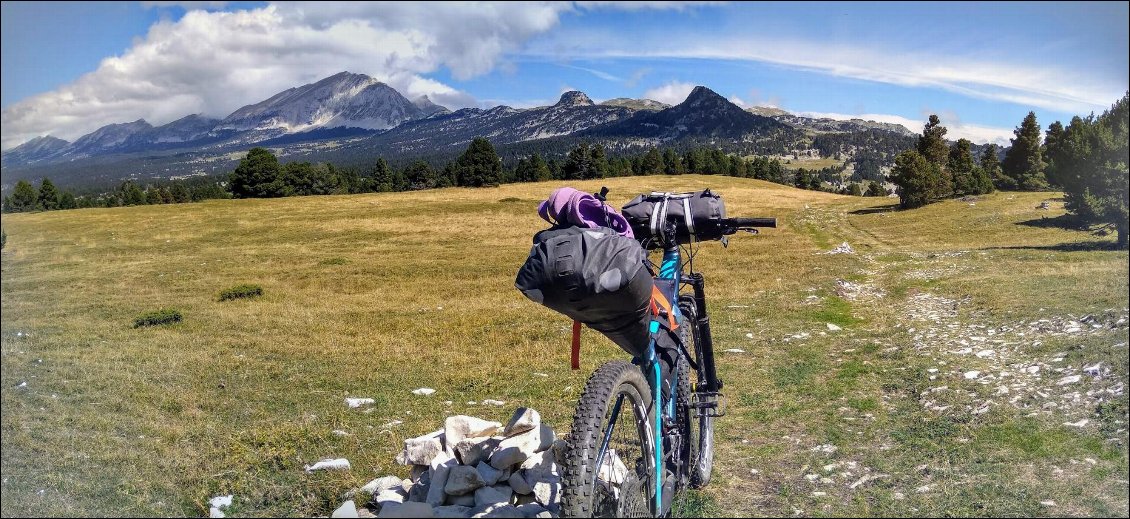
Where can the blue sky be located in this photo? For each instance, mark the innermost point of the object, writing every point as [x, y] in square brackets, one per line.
[70, 68]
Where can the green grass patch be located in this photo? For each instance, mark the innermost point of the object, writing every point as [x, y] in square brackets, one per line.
[693, 503]
[835, 310]
[333, 261]
[157, 317]
[241, 292]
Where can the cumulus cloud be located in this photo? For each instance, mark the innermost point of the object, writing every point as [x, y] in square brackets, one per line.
[672, 93]
[213, 62]
[955, 129]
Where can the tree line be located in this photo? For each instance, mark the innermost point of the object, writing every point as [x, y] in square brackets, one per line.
[26, 197]
[1087, 159]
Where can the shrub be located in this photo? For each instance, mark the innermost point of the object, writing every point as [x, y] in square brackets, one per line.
[241, 291]
[156, 317]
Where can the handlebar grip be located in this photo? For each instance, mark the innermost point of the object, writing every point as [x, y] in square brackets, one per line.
[754, 222]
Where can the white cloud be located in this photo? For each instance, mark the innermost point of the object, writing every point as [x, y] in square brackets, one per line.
[969, 75]
[215, 62]
[976, 133]
[672, 93]
[738, 101]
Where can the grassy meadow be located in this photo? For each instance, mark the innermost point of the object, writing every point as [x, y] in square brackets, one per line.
[376, 295]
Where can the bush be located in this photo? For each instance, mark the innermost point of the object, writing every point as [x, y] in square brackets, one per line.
[241, 291]
[156, 317]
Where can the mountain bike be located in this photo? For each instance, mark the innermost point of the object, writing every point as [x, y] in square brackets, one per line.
[633, 444]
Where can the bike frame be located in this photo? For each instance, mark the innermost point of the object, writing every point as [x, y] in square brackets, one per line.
[670, 269]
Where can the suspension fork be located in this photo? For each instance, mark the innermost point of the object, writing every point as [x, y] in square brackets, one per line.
[712, 383]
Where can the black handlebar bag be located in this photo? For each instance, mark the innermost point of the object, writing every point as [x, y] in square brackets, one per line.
[697, 216]
[594, 276]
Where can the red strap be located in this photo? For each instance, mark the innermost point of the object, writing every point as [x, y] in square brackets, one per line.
[576, 345]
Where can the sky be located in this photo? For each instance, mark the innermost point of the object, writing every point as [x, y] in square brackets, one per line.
[70, 68]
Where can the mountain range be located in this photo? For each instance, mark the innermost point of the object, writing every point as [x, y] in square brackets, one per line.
[354, 115]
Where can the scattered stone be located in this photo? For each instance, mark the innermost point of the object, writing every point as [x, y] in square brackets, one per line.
[899, 496]
[354, 403]
[524, 419]
[547, 492]
[1080, 423]
[496, 403]
[493, 495]
[347, 509]
[379, 485]
[474, 450]
[490, 474]
[734, 350]
[218, 504]
[832, 327]
[463, 479]
[456, 428]
[452, 511]
[1070, 379]
[339, 432]
[1047, 502]
[329, 464]
[421, 450]
[518, 482]
[826, 448]
[970, 375]
[844, 248]
[865, 479]
[409, 509]
[819, 494]
[424, 391]
[922, 489]
[749, 336]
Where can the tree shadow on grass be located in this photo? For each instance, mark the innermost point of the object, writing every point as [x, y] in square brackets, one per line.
[879, 209]
[1066, 247]
[1063, 221]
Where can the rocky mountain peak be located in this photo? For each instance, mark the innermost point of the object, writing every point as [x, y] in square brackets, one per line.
[574, 98]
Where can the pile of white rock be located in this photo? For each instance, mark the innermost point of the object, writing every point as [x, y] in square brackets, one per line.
[473, 468]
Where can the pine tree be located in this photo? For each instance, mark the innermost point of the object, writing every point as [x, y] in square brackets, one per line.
[68, 201]
[180, 193]
[24, 197]
[578, 164]
[258, 175]
[599, 163]
[875, 189]
[672, 165]
[961, 168]
[919, 181]
[1052, 149]
[381, 176]
[932, 142]
[540, 168]
[419, 175]
[479, 165]
[991, 165]
[48, 195]
[1024, 160]
[652, 163]
[1092, 167]
[130, 194]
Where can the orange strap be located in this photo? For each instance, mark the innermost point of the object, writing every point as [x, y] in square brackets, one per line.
[576, 360]
[658, 301]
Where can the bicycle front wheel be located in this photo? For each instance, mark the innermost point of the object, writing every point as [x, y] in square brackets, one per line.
[609, 464]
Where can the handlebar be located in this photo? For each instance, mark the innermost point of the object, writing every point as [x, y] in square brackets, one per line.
[744, 223]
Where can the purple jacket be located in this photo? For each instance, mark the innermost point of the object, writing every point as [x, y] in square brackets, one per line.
[568, 206]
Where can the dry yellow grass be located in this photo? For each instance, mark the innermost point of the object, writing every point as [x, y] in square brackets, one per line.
[375, 295]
